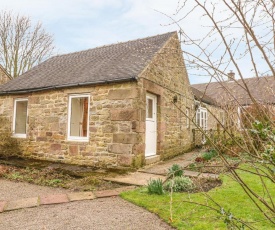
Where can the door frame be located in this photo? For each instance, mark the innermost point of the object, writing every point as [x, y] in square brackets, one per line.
[154, 98]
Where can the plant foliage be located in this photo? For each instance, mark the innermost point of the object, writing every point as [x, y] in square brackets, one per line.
[209, 155]
[155, 187]
[175, 170]
[179, 184]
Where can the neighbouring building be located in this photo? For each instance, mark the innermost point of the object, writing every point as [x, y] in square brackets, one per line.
[115, 105]
[209, 116]
[236, 97]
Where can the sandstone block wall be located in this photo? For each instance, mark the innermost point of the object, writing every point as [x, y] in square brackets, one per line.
[166, 77]
[113, 124]
[215, 115]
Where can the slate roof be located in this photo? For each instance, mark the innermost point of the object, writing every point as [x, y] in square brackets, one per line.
[112, 63]
[262, 90]
[201, 96]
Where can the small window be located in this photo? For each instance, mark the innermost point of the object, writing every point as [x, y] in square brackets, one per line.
[20, 118]
[78, 123]
[187, 118]
[149, 112]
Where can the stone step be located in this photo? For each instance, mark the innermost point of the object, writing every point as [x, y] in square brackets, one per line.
[152, 159]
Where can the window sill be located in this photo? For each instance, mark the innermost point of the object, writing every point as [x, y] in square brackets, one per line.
[76, 139]
[23, 136]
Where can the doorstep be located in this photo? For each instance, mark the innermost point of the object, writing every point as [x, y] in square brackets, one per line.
[152, 159]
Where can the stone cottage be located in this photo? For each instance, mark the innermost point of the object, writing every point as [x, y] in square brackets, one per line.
[115, 105]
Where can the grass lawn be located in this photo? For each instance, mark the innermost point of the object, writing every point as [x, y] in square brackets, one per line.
[191, 216]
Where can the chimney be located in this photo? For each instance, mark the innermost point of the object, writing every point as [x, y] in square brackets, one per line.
[231, 75]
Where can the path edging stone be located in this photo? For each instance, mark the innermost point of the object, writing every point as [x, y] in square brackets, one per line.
[61, 198]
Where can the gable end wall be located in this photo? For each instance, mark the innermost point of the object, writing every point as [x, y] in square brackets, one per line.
[166, 77]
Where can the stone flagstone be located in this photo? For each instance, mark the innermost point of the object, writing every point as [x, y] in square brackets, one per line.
[76, 196]
[22, 203]
[2, 205]
[54, 199]
[162, 167]
[137, 178]
[106, 193]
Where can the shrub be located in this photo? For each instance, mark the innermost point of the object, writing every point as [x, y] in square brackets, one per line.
[179, 184]
[227, 144]
[9, 146]
[175, 170]
[155, 187]
[209, 155]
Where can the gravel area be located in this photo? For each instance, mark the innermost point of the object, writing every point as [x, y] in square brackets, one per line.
[10, 190]
[99, 214]
[106, 213]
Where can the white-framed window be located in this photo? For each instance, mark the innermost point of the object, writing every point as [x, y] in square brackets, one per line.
[187, 111]
[20, 114]
[201, 118]
[78, 117]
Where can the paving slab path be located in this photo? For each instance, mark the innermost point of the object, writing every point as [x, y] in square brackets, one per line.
[162, 167]
[160, 170]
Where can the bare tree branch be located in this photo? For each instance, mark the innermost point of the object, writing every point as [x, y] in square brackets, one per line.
[22, 45]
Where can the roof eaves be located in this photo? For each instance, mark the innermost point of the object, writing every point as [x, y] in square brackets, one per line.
[24, 91]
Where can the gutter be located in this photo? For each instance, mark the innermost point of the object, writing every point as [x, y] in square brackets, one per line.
[22, 91]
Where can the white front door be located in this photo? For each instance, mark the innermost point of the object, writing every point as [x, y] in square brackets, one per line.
[151, 125]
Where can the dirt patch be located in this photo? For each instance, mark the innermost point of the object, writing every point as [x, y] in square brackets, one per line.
[76, 178]
[215, 165]
[204, 184]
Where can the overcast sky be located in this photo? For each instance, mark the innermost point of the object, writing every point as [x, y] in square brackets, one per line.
[83, 24]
